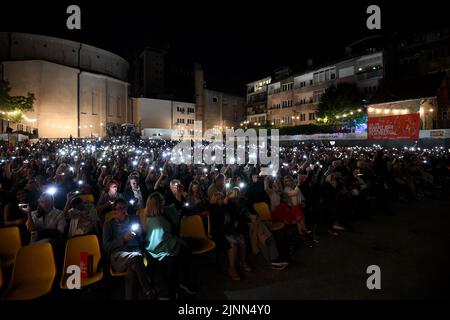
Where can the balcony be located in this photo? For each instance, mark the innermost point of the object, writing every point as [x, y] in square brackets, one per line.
[274, 91]
[256, 111]
[370, 75]
[298, 103]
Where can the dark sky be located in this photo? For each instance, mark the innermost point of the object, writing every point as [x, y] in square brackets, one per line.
[235, 41]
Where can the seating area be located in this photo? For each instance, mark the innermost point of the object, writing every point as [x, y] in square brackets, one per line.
[34, 270]
[128, 199]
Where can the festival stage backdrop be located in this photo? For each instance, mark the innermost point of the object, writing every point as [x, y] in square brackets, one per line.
[394, 127]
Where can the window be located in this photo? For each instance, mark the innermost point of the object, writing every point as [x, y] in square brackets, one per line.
[190, 121]
[110, 107]
[119, 107]
[324, 75]
[191, 110]
[180, 121]
[95, 103]
[311, 82]
[317, 95]
[444, 115]
[302, 117]
[287, 120]
[286, 103]
[287, 86]
[312, 116]
[214, 99]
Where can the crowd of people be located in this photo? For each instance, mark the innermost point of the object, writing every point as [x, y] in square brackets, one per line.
[318, 188]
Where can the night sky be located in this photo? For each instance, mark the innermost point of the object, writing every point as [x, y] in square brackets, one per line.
[235, 41]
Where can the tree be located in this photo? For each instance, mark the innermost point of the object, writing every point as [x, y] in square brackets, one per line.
[13, 107]
[339, 106]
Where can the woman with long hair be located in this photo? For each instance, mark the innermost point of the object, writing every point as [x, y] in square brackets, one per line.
[165, 246]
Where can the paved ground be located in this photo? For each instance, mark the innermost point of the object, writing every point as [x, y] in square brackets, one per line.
[411, 247]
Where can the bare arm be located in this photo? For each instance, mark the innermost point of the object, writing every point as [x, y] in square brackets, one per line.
[6, 215]
[158, 182]
[292, 192]
[30, 223]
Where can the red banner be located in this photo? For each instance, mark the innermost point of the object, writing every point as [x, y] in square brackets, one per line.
[394, 127]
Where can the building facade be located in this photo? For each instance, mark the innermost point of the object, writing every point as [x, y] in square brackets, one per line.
[427, 95]
[294, 99]
[155, 116]
[222, 110]
[79, 89]
[257, 100]
[217, 109]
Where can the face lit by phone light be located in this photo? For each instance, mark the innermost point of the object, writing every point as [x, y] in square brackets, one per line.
[120, 211]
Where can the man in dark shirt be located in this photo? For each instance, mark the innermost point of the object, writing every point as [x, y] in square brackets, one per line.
[121, 242]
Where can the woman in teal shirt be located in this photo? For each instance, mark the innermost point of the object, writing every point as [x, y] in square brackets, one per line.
[164, 245]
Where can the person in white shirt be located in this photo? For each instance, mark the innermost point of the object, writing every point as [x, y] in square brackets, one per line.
[83, 218]
[47, 222]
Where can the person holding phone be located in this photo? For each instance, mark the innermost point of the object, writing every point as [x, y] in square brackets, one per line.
[108, 197]
[122, 238]
[135, 194]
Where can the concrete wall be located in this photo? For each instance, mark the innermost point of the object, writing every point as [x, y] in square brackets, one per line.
[153, 113]
[227, 111]
[55, 88]
[23, 46]
[212, 108]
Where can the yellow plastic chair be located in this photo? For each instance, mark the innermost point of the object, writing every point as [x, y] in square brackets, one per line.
[263, 211]
[192, 227]
[33, 273]
[74, 247]
[120, 274]
[205, 214]
[87, 198]
[10, 244]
